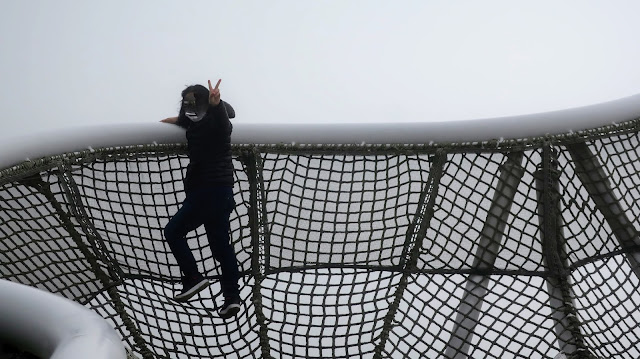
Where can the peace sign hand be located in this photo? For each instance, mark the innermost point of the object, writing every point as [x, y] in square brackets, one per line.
[214, 94]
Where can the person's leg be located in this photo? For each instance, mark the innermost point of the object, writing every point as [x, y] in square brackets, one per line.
[217, 227]
[188, 218]
[175, 231]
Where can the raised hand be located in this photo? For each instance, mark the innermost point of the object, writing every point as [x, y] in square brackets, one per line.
[214, 94]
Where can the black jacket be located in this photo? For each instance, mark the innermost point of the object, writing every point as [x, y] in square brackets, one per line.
[209, 148]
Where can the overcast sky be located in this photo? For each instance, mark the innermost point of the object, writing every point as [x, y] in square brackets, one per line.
[65, 62]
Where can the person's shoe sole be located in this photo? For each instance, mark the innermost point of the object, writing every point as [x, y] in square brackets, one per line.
[183, 297]
[229, 311]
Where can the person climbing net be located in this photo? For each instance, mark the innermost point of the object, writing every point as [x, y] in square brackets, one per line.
[209, 199]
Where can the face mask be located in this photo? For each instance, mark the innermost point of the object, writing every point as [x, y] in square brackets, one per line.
[193, 116]
[192, 110]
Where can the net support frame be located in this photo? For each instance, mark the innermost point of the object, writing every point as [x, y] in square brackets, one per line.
[476, 289]
[592, 175]
[78, 211]
[561, 298]
[109, 285]
[415, 236]
[259, 237]
[557, 265]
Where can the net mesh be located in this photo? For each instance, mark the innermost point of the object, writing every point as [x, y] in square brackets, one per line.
[523, 248]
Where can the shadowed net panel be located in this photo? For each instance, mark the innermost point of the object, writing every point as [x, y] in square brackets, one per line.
[511, 249]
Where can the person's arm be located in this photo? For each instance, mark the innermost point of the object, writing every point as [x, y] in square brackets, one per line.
[230, 111]
[180, 121]
[224, 111]
[219, 112]
[172, 120]
[214, 94]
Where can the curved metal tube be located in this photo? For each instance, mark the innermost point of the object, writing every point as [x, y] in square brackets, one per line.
[16, 149]
[51, 326]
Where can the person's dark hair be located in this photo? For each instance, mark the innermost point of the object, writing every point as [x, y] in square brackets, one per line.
[201, 95]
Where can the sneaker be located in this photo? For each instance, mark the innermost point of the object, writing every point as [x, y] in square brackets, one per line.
[230, 308]
[190, 287]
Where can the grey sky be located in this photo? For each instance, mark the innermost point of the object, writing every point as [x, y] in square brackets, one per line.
[90, 62]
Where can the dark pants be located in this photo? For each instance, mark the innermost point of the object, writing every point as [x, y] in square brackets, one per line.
[212, 207]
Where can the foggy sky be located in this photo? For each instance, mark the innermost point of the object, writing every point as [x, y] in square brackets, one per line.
[65, 63]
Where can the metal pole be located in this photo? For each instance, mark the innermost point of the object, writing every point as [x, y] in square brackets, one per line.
[594, 179]
[511, 172]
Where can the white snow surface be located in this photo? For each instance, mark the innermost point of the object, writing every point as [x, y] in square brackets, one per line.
[39, 144]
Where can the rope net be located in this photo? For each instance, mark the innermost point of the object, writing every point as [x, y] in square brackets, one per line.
[483, 250]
